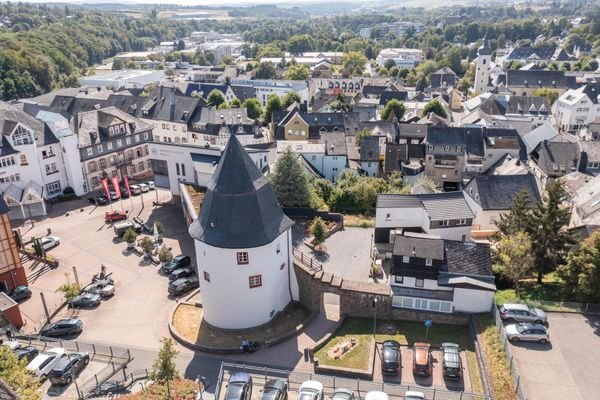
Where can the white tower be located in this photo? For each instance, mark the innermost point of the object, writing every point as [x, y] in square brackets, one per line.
[243, 246]
[483, 63]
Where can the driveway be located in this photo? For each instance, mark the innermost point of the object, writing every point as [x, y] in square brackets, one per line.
[567, 367]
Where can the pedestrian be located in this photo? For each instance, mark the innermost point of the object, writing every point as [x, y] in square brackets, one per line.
[9, 334]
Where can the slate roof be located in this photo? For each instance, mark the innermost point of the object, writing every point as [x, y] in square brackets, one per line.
[471, 138]
[522, 53]
[6, 149]
[439, 206]
[369, 148]
[419, 247]
[484, 49]
[91, 127]
[592, 90]
[389, 95]
[468, 258]
[444, 74]
[497, 192]
[317, 122]
[240, 209]
[335, 143]
[3, 206]
[11, 116]
[556, 158]
[243, 92]
[534, 79]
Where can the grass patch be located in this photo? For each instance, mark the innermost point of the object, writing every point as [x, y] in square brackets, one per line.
[497, 364]
[359, 221]
[182, 389]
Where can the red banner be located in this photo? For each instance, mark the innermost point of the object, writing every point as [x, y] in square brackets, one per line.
[105, 186]
[127, 185]
[115, 182]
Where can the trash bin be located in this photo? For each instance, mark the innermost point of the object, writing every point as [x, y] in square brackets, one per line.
[49, 231]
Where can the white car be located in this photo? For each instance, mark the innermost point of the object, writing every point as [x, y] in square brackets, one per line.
[311, 390]
[410, 395]
[375, 395]
[12, 344]
[45, 362]
[135, 189]
[50, 242]
[144, 188]
[151, 185]
[102, 290]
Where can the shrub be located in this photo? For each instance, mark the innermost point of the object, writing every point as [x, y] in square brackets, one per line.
[68, 190]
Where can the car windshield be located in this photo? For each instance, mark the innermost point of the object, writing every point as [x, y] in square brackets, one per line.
[307, 394]
[389, 354]
[234, 391]
[269, 394]
[521, 328]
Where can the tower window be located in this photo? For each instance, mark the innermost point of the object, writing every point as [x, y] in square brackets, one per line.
[484, 61]
[206, 276]
[242, 257]
[254, 281]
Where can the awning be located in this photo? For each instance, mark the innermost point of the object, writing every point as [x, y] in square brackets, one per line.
[465, 282]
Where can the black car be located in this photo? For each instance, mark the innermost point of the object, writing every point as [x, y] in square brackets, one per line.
[177, 262]
[29, 353]
[390, 360]
[124, 192]
[183, 285]
[343, 394]
[451, 363]
[68, 368]
[64, 327]
[98, 200]
[85, 300]
[275, 389]
[239, 387]
[181, 273]
[21, 293]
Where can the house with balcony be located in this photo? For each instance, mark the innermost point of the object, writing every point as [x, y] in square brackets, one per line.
[577, 108]
[433, 274]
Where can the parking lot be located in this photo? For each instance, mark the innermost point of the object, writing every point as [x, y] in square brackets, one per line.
[86, 242]
[567, 367]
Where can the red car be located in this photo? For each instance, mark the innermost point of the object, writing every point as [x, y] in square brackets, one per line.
[115, 216]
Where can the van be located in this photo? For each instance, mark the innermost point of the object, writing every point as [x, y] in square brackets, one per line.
[135, 189]
[123, 226]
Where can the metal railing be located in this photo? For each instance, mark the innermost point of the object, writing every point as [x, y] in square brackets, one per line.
[514, 371]
[563, 306]
[360, 387]
[307, 260]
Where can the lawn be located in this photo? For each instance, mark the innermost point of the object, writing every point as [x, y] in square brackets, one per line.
[180, 389]
[404, 332]
[359, 221]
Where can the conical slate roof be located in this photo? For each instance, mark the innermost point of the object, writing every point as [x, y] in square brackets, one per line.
[3, 206]
[240, 209]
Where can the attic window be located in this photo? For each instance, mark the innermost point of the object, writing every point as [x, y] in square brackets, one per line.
[242, 257]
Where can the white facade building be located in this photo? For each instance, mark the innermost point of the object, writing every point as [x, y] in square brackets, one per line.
[124, 79]
[576, 108]
[404, 58]
[243, 246]
[266, 87]
[483, 69]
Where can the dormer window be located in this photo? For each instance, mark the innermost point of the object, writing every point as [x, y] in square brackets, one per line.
[405, 259]
[22, 136]
[428, 262]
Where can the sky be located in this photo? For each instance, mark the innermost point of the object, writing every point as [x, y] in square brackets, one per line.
[181, 2]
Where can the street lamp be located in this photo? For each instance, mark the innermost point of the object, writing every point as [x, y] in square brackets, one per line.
[374, 316]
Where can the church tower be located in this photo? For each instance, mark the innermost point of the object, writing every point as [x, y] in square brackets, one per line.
[243, 244]
[483, 67]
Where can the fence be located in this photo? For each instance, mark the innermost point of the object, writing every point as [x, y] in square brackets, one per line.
[514, 371]
[307, 261]
[564, 306]
[331, 383]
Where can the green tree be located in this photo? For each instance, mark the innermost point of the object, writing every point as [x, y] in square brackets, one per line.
[360, 135]
[130, 236]
[164, 254]
[389, 64]
[290, 181]
[514, 257]
[164, 369]
[181, 45]
[297, 72]
[252, 107]
[581, 273]
[319, 232]
[147, 245]
[273, 104]
[453, 60]
[69, 290]
[235, 103]
[269, 51]
[354, 62]
[518, 217]
[435, 107]
[393, 109]
[216, 98]
[549, 94]
[265, 70]
[14, 373]
[289, 99]
[299, 44]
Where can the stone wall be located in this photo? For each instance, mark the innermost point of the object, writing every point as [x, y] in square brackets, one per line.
[357, 298]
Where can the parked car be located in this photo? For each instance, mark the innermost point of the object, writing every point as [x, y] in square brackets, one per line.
[63, 327]
[390, 360]
[375, 395]
[104, 289]
[311, 390]
[181, 273]
[145, 226]
[21, 293]
[68, 368]
[180, 261]
[114, 195]
[98, 200]
[111, 216]
[342, 394]
[183, 285]
[422, 360]
[451, 362]
[144, 188]
[274, 389]
[151, 185]
[29, 353]
[412, 395]
[135, 190]
[522, 313]
[527, 332]
[42, 364]
[239, 387]
[85, 300]
[11, 344]
[124, 192]
[49, 242]
[122, 227]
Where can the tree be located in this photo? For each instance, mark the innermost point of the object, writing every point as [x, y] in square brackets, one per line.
[393, 109]
[14, 373]
[265, 70]
[215, 98]
[253, 108]
[147, 245]
[354, 62]
[164, 369]
[453, 60]
[548, 229]
[235, 103]
[273, 104]
[164, 254]
[289, 99]
[518, 218]
[514, 257]
[69, 290]
[389, 63]
[549, 94]
[181, 45]
[319, 232]
[581, 273]
[290, 181]
[297, 72]
[130, 236]
[435, 107]
[117, 65]
[360, 135]
[299, 44]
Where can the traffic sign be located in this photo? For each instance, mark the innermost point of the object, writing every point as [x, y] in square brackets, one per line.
[428, 323]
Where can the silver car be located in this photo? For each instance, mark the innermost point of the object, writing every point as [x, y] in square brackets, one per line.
[527, 332]
[522, 313]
